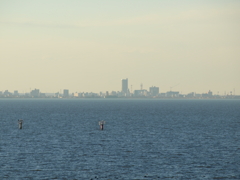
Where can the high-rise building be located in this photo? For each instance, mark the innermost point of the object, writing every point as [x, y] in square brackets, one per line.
[15, 93]
[35, 93]
[154, 91]
[125, 86]
[210, 93]
[65, 93]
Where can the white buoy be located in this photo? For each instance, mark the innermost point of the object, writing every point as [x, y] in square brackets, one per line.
[101, 123]
[20, 122]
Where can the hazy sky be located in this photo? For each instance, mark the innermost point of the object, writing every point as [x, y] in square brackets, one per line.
[90, 45]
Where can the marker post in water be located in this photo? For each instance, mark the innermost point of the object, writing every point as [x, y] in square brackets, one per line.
[20, 122]
[101, 123]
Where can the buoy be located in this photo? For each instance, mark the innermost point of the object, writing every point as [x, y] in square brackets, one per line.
[101, 123]
[20, 122]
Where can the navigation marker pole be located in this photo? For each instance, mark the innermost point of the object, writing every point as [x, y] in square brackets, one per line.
[101, 123]
[20, 122]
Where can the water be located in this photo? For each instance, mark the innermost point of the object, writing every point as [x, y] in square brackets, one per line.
[142, 139]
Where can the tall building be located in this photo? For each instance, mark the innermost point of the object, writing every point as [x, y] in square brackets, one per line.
[15, 93]
[125, 86]
[210, 93]
[65, 93]
[154, 91]
[35, 93]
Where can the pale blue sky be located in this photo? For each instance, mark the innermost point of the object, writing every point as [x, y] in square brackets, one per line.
[91, 45]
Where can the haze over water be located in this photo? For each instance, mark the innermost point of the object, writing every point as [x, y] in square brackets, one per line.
[142, 139]
[89, 46]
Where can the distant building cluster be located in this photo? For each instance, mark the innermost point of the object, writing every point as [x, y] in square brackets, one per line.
[153, 92]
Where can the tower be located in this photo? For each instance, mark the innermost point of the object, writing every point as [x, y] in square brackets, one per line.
[65, 93]
[125, 86]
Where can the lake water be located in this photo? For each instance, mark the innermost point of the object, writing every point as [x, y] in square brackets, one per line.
[142, 139]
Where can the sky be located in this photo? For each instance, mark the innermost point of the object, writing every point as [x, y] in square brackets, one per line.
[90, 45]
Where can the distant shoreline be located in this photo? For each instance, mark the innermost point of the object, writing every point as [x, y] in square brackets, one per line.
[130, 98]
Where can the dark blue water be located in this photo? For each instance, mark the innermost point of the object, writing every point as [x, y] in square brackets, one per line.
[142, 139]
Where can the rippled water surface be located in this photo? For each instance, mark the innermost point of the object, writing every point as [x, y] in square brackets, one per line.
[142, 139]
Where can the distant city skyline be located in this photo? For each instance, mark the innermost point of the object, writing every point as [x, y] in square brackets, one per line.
[233, 92]
[153, 92]
[125, 89]
[89, 46]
